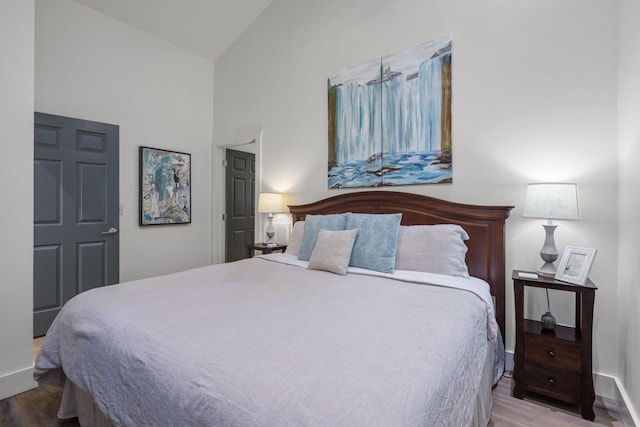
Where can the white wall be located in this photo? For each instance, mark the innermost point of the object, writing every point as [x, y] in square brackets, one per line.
[629, 200]
[16, 188]
[534, 99]
[92, 67]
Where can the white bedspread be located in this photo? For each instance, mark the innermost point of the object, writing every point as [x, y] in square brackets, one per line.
[262, 342]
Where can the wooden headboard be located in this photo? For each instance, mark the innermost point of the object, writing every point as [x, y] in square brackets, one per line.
[484, 224]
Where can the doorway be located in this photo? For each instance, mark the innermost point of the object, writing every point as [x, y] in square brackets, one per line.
[240, 190]
[76, 196]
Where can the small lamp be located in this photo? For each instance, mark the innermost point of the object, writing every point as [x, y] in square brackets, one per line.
[270, 203]
[551, 201]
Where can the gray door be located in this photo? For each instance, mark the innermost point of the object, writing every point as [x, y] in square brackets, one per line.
[75, 211]
[240, 190]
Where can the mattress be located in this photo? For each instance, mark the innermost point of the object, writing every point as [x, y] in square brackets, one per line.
[266, 342]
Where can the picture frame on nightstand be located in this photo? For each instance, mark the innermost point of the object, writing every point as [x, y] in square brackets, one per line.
[575, 265]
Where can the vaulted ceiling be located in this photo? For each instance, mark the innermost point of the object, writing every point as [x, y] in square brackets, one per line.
[204, 27]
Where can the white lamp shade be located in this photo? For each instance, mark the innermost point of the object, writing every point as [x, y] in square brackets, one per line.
[552, 201]
[270, 202]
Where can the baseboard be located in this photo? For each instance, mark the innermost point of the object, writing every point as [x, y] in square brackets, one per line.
[606, 386]
[629, 415]
[16, 382]
[508, 361]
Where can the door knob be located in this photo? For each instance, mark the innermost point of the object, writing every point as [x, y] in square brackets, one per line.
[110, 231]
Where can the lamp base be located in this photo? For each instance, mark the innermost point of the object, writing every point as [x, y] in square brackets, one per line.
[547, 270]
[548, 253]
[270, 232]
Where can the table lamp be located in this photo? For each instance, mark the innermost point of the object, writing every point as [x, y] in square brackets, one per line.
[270, 203]
[551, 201]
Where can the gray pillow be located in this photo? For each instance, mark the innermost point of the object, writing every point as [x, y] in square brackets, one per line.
[433, 249]
[295, 240]
[313, 224]
[377, 240]
[332, 251]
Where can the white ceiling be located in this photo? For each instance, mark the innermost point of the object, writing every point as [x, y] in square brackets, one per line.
[204, 27]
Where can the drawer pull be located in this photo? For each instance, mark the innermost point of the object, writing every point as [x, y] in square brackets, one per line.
[552, 382]
[552, 354]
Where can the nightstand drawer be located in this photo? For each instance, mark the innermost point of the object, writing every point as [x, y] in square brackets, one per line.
[552, 352]
[556, 384]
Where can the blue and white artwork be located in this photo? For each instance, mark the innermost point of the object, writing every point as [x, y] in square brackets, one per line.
[165, 187]
[390, 119]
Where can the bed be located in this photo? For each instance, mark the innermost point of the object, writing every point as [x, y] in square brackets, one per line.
[271, 341]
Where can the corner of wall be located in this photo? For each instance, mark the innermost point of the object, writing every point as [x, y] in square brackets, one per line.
[17, 35]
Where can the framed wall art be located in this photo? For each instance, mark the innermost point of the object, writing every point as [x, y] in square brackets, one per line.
[575, 265]
[390, 119]
[165, 187]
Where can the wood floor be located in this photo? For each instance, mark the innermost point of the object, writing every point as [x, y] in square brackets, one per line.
[38, 408]
[509, 411]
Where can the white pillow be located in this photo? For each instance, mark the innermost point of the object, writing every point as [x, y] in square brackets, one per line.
[295, 240]
[332, 250]
[436, 249]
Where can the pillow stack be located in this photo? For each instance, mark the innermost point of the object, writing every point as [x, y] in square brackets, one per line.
[378, 242]
[375, 240]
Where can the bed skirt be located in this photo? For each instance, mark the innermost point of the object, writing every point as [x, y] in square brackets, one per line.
[77, 403]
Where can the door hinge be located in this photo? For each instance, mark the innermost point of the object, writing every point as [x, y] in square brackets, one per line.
[224, 217]
[224, 163]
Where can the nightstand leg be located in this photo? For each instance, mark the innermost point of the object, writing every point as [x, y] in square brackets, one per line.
[587, 394]
[587, 412]
[518, 374]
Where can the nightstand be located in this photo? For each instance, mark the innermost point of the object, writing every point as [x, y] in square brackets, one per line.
[262, 247]
[555, 363]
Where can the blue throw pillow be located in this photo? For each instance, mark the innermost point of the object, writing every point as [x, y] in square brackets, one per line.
[313, 224]
[377, 240]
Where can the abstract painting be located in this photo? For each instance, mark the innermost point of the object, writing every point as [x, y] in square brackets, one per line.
[390, 119]
[165, 187]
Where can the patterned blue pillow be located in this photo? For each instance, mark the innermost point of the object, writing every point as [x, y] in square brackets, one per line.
[377, 240]
[313, 224]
